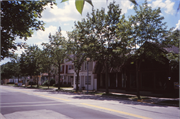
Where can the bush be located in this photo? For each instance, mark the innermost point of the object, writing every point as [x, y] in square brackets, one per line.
[10, 83]
[32, 83]
[52, 82]
[45, 83]
[55, 85]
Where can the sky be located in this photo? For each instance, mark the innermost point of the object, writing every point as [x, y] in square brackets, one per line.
[65, 14]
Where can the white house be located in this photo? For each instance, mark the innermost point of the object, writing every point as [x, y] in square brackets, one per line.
[91, 83]
[67, 73]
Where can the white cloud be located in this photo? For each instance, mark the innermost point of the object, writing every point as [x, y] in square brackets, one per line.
[167, 5]
[178, 25]
[69, 12]
[123, 4]
[19, 51]
[65, 24]
[42, 36]
[5, 61]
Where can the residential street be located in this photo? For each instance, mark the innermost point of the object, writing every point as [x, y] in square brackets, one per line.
[21, 103]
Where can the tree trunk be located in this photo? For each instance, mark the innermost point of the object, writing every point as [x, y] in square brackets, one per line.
[107, 77]
[137, 81]
[59, 76]
[77, 79]
[18, 78]
[31, 81]
[37, 82]
[48, 78]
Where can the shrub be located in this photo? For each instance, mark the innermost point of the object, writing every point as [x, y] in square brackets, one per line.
[10, 83]
[45, 83]
[52, 82]
[33, 83]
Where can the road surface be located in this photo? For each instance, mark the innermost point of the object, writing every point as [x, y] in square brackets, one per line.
[20, 103]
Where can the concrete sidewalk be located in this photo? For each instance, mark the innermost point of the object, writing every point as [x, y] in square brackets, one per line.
[146, 97]
[1, 116]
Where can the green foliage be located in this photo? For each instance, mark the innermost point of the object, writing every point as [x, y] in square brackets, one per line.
[75, 51]
[56, 51]
[30, 63]
[98, 36]
[45, 83]
[19, 19]
[51, 82]
[173, 37]
[80, 4]
[7, 70]
[148, 26]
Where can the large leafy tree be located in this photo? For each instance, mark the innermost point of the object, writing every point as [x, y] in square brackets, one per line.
[99, 31]
[147, 26]
[7, 70]
[30, 63]
[46, 60]
[19, 19]
[76, 52]
[16, 66]
[57, 49]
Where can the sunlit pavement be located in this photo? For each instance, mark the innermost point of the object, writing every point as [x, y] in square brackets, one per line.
[20, 103]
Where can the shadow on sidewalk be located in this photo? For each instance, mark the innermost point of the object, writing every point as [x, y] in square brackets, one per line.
[120, 97]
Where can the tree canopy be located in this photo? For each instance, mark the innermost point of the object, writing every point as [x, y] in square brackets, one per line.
[19, 19]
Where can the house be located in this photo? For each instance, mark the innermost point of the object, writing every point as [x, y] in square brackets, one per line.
[67, 74]
[154, 76]
[91, 83]
[4, 81]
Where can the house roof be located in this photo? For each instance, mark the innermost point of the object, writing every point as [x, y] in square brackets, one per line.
[100, 68]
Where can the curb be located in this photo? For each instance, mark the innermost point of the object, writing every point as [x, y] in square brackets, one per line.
[1, 116]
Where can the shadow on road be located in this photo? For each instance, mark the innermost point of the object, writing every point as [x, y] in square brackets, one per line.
[122, 98]
[125, 99]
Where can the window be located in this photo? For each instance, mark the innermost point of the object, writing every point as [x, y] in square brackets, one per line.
[88, 81]
[70, 67]
[61, 68]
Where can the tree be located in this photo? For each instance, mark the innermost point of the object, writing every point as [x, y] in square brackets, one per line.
[30, 63]
[16, 66]
[46, 60]
[19, 19]
[76, 53]
[148, 26]
[57, 46]
[99, 31]
[7, 71]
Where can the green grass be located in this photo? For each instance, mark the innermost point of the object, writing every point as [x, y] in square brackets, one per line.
[170, 102]
[142, 97]
[9, 84]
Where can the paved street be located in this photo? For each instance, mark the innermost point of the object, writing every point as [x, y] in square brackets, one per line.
[20, 103]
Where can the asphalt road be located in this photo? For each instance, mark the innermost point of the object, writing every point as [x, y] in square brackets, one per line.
[19, 103]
